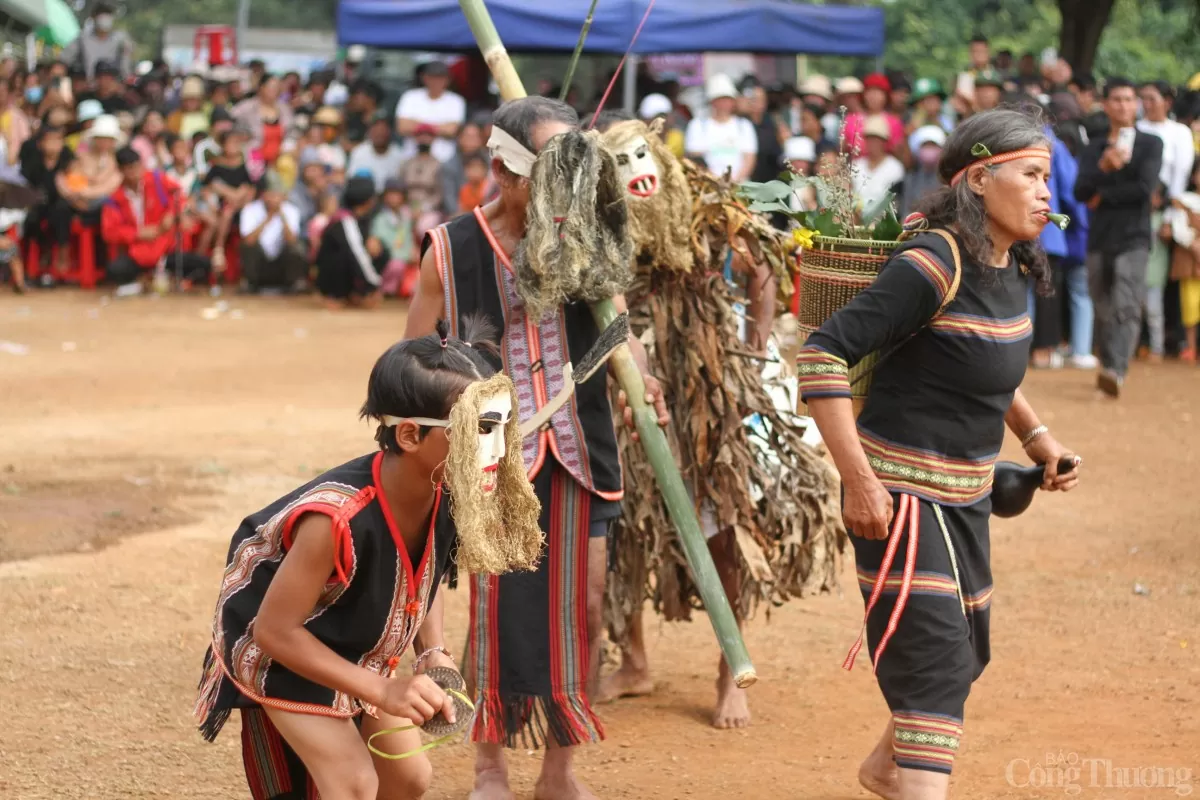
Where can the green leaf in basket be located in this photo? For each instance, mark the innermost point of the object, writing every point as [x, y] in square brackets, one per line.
[888, 229]
[770, 207]
[877, 209]
[824, 223]
[764, 192]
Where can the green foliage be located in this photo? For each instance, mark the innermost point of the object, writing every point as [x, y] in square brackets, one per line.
[1146, 39]
[877, 221]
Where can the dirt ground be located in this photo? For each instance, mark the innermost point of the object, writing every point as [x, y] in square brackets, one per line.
[134, 436]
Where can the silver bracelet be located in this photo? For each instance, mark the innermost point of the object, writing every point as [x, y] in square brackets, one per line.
[1033, 434]
[421, 658]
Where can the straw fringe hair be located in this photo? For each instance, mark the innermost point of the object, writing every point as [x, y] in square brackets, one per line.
[660, 224]
[577, 244]
[497, 532]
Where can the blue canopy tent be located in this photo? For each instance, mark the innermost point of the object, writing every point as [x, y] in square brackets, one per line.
[674, 26]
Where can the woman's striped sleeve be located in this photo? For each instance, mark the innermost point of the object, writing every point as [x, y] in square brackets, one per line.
[821, 374]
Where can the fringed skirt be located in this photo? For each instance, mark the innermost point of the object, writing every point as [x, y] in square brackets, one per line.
[529, 636]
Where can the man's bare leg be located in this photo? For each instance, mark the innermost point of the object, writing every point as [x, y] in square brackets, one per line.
[558, 780]
[733, 708]
[878, 773]
[491, 774]
[632, 678]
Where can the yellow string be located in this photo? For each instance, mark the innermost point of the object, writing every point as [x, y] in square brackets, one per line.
[428, 746]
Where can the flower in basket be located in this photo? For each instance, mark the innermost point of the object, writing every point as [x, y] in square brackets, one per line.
[841, 214]
[803, 237]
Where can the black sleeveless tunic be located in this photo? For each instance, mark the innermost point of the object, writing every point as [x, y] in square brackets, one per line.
[369, 612]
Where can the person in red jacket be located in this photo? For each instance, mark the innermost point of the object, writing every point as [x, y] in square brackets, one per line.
[140, 220]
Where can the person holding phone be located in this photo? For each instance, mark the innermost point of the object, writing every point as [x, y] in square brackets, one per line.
[1117, 179]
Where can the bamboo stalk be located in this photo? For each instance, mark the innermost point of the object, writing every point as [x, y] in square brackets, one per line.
[629, 377]
[587, 26]
[679, 505]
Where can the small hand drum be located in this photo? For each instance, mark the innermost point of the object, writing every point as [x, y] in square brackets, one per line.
[449, 679]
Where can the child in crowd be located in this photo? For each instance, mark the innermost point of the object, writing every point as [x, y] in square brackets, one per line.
[1158, 265]
[326, 211]
[1185, 263]
[393, 226]
[477, 185]
[181, 170]
[228, 189]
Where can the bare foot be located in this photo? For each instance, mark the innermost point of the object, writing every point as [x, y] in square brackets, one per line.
[568, 788]
[492, 784]
[880, 777]
[733, 709]
[625, 682]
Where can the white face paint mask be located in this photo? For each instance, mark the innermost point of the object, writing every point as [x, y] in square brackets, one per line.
[637, 168]
[494, 418]
[495, 415]
[104, 22]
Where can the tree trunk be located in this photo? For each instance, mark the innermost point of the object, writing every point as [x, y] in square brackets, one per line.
[1083, 23]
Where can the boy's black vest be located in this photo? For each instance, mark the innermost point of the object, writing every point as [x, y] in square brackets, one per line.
[477, 277]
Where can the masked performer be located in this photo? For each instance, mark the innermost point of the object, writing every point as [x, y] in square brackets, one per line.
[761, 480]
[954, 343]
[327, 587]
[557, 231]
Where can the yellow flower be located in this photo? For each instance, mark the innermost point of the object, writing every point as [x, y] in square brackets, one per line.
[803, 237]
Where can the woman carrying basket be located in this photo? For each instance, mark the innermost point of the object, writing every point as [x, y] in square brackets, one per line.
[948, 314]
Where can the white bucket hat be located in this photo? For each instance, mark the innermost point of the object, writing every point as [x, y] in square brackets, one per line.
[653, 105]
[105, 126]
[718, 86]
[926, 134]
[800, 148]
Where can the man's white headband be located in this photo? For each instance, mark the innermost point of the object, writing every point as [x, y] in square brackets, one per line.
[514, 155]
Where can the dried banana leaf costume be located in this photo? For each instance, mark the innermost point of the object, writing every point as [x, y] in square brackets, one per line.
[764, 483]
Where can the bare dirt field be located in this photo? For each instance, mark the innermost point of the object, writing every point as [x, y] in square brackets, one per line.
[135, 435]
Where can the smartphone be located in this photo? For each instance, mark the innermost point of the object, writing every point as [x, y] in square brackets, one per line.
[965, 87]
[1125, 139]
[1049, 57]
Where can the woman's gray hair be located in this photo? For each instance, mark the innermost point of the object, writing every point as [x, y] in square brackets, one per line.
[1001, 130]
[519, 117]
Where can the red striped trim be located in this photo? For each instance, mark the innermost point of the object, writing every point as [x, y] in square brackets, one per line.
[934, 476]
[491, 237]
[1003, 331]
[821, 374]
[928, 583]
[263, 756]
[925, 741]
[979, 600]
[568, 537]
[932, 269]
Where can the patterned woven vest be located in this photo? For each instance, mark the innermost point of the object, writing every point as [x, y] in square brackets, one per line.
[477, 277]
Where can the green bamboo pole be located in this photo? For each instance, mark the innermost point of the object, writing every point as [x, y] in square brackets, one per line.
[587, 26]
[625, 369]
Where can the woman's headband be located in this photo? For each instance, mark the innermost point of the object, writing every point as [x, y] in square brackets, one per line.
[515, 155]
[986, 159]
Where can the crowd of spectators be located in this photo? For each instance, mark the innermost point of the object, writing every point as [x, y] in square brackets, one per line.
[1127, 269]
[199, 178]
[298, 183]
